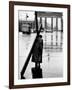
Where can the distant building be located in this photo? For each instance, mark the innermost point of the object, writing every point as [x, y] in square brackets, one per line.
[26, 26]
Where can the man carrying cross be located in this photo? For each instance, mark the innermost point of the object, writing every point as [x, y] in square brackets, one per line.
[37, 51]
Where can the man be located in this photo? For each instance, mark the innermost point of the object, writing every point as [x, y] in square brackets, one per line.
[37, 51]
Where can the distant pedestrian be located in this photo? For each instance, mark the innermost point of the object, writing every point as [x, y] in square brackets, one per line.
[37, 52]
[48, 57]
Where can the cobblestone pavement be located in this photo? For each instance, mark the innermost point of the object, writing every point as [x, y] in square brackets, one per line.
[52, 58]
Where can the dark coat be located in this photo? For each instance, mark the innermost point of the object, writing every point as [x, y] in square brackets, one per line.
[37, 51]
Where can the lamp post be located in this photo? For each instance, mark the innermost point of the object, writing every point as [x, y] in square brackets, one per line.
[26, 16]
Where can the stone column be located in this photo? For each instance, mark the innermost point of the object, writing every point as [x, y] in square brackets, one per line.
[45, 22]
[52, 24]
[41, 20]
[56, 32]
[61, 24]
[51, 32]
[61, 33]
[56, 23]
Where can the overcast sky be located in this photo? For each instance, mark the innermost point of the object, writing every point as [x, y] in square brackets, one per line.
[23, 14]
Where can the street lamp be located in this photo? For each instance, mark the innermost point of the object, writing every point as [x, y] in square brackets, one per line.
[26, 16]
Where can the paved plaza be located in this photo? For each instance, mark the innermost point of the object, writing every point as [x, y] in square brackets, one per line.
[52, 57]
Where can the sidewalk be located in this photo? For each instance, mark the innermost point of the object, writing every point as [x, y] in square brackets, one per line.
[25, 44]
[52, 61]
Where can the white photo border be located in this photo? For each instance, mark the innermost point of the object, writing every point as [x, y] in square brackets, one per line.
[36, 81]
